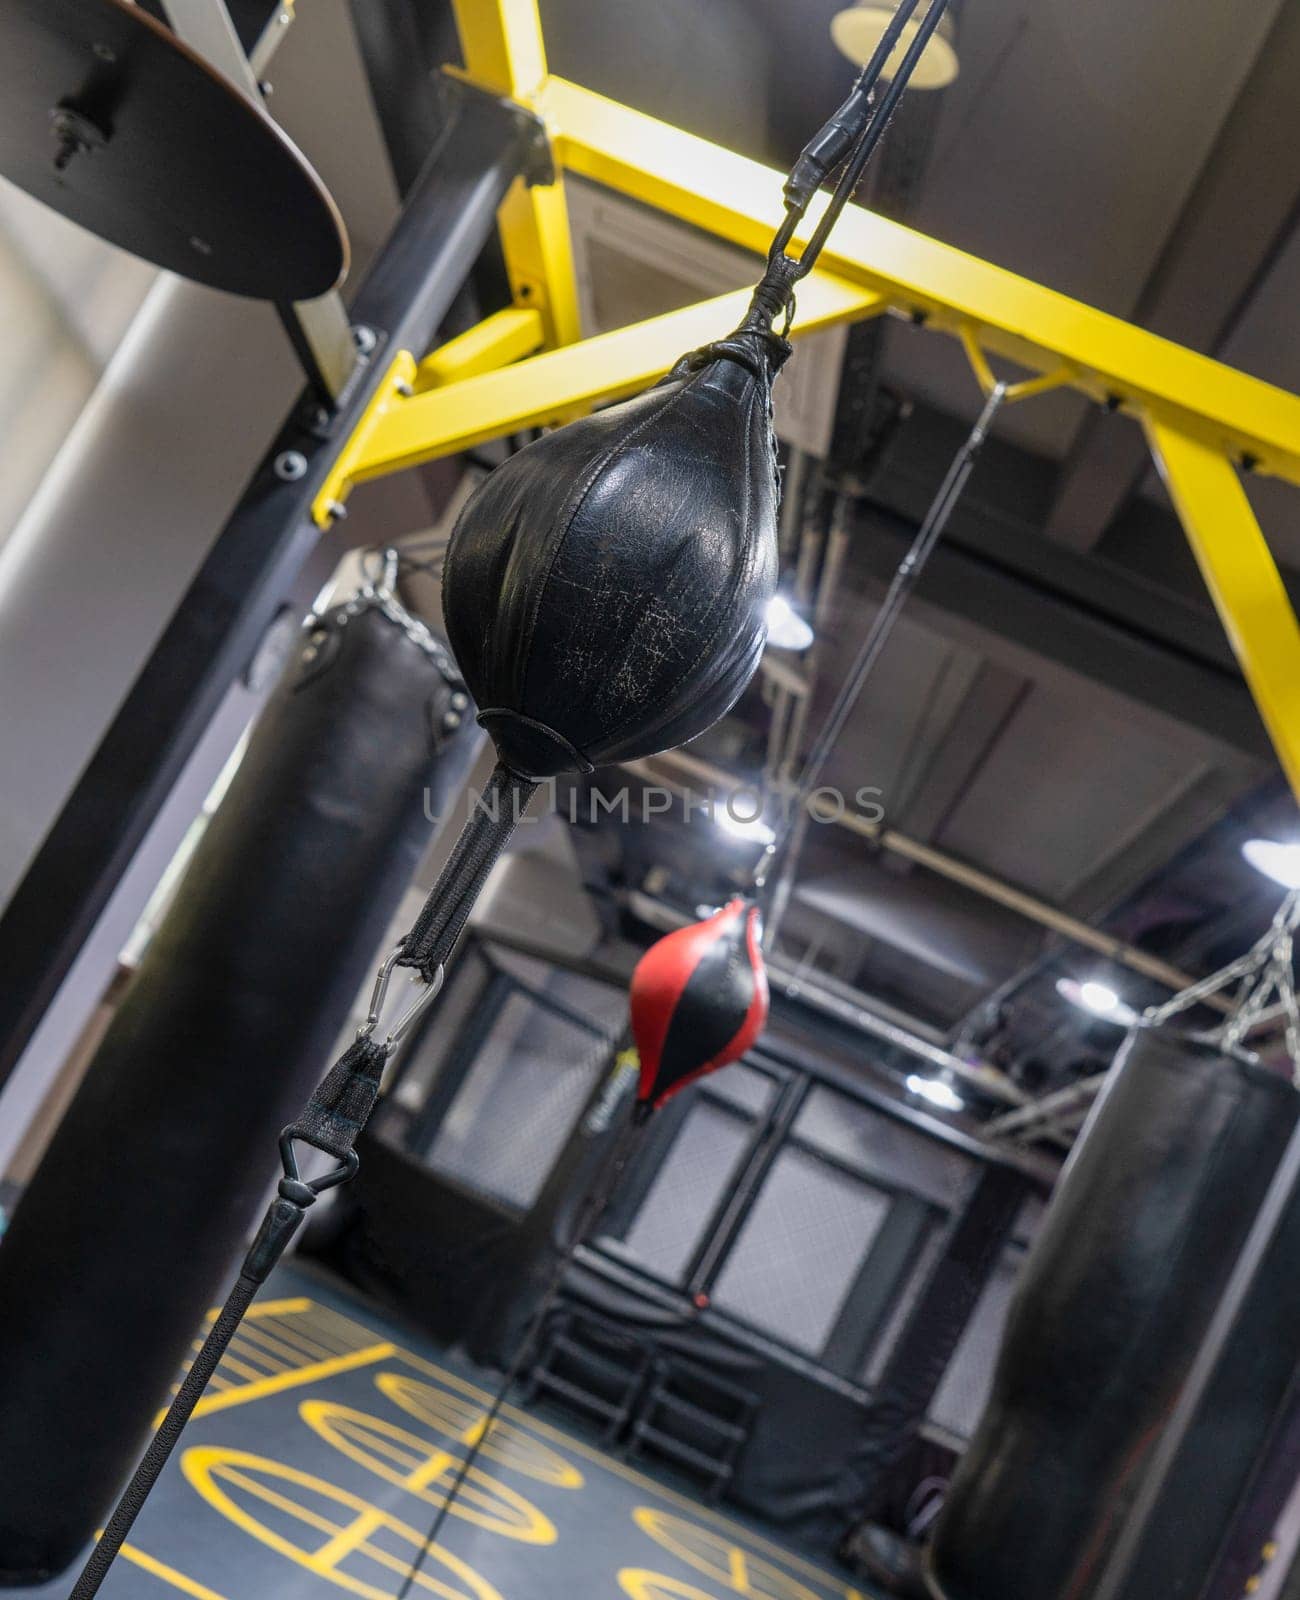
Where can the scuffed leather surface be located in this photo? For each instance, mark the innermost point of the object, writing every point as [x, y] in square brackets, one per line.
[605, 589]
[1111, 1308]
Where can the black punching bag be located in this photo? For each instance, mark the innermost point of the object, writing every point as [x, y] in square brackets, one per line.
[164, 1160]
[606, 588]
[1116, 1297]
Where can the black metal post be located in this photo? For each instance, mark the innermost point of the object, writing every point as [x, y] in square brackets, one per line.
[249, 571]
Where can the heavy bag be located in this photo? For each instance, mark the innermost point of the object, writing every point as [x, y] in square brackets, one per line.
[164, 1160]
[606, 588]
[699, 1000]
[1115, 1299]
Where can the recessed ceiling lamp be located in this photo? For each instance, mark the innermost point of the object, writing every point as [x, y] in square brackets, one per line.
[753, 830]
[1099, 998]
[786, 629]
[937, 1091]
[1281, 862]
[860, 29]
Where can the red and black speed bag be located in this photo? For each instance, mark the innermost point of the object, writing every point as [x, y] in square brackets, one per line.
[699, 1000]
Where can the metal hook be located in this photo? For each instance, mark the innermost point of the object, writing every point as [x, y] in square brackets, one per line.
[424, 998]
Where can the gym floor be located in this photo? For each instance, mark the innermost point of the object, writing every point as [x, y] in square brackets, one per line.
[316, 1461]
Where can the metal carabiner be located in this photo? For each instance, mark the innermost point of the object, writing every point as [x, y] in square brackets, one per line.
[424, 998]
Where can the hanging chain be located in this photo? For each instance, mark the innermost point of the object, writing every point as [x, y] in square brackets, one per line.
[1265, 972]
[378, 592]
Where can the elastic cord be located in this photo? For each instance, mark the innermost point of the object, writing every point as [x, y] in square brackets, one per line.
[872, 134]
[164, 1441]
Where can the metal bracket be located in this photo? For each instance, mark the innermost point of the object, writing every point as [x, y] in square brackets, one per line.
[395, 385]
[540, 168]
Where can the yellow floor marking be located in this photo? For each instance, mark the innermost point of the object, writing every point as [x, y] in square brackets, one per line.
[368, 1522]
[311, 1560]
[298, 1339]
[242, 1369]
[312, 1331]
[371, 1354]
[270, 1308]
[629, 1474]
[178, 1580]
[278, 1347]
[316, 1373]
[256, 1356]
[739, 1572]
[351, 1329]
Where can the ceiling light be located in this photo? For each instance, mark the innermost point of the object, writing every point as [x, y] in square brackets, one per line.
[786, 629]
[753, 830]
[1281, 862]
[936, 1091]
[860, 29]
[1099, 998]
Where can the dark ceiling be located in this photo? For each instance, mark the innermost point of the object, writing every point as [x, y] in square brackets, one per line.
[1060, 710]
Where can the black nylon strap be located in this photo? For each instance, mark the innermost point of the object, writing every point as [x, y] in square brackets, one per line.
[335, 1115]
[435, 931]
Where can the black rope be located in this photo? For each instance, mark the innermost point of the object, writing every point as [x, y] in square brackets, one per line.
[872, 134]
[878, 634]
[593, 1209]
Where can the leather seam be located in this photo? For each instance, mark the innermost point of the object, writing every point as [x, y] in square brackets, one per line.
[736, 582]
[572, 509]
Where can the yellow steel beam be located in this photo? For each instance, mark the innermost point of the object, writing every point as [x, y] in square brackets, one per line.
[501, 41]
[1242, 578]
[690, 178]
[442, 421]
[495, 342]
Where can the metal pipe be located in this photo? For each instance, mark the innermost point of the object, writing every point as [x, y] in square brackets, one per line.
[1046, 1107]
[981, 883]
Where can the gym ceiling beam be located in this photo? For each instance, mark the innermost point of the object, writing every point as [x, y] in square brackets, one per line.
[1204, 420]
[976, 589]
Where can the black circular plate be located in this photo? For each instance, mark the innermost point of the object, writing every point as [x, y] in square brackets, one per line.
[107, 117]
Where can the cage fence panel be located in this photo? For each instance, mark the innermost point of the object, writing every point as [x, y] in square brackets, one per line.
[699, 1169]
[525, 1087]
[800, 1249]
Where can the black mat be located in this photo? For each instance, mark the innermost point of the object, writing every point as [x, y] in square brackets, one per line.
[317, 1463]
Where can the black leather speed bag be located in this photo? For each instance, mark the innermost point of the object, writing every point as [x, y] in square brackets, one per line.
[164, 1160]
[606, 588]
[1117, 1295]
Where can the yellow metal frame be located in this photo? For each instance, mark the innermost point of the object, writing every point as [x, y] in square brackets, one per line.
[1202, 419]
